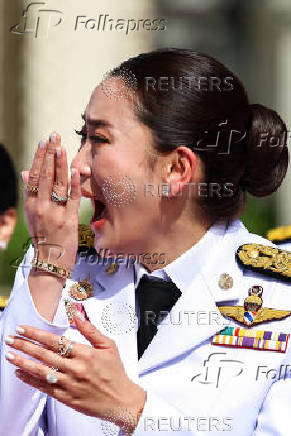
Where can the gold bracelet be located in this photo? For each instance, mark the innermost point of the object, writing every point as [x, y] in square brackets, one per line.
[52, 268]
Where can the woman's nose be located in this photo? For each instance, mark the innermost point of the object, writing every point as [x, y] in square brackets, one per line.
[81, 165]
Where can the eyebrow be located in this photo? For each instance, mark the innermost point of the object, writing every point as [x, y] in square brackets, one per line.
[96, 123]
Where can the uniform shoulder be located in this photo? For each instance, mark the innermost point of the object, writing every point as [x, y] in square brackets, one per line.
[265, 258]
[280, 234]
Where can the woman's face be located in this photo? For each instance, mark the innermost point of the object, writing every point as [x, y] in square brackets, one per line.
[116, 147]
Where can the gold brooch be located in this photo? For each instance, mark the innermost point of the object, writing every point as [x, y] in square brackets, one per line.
[81, 290]
[252, 311]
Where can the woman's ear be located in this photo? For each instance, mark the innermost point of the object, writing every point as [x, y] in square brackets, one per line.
[7, 226]
[181, 169]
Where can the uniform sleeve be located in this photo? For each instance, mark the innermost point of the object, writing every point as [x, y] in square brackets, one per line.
[274, 416]
[160, 418]
[22, 407]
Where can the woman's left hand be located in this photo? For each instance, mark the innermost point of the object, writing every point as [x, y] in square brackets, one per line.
[92, 380]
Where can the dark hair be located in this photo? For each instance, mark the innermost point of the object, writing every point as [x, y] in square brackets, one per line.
[8, 181]
[245, 155]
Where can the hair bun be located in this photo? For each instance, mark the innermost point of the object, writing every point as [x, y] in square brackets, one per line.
[267, 152]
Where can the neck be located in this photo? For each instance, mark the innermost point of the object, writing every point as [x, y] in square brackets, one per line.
[172, 243]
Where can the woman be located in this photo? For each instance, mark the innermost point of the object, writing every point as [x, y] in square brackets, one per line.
[170, 146]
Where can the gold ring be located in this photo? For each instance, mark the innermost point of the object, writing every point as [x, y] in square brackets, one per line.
[63, 349]
[31, 188]
[61, 346]
[69, 349]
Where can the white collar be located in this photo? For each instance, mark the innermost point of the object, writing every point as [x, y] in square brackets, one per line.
[183, 269]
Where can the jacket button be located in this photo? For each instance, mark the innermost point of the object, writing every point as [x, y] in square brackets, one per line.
[225, 281]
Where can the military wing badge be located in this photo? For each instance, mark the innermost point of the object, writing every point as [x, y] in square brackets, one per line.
[252, 311]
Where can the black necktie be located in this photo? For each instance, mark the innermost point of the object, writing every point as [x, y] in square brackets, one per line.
[153, 296]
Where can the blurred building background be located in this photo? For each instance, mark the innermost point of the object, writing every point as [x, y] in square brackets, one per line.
[49, 69]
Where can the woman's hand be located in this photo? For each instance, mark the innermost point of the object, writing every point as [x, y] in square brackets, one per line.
[53, 225]
[92, 380]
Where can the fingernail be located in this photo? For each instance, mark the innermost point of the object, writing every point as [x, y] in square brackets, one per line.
[73, 171]
[80, 316]
[59, 151]
[9, 340]
[53, 137]
[22, 175]
[19, 330]
[42, 143]
[9, 356]
[87, 169]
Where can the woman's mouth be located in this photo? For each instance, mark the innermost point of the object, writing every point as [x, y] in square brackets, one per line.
[100, 213]
[99, 210]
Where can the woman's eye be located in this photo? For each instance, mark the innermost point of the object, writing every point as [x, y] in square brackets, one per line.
[95, 138]
[99, 139]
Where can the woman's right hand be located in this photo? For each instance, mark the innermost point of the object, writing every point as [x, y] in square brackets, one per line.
[53, 226]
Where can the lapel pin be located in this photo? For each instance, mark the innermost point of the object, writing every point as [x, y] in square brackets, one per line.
[252, 311]
[225, 281]
[81, 290]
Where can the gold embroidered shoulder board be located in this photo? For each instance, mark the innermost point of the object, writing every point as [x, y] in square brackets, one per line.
[3, 301]
[266, 260]
[280, 234]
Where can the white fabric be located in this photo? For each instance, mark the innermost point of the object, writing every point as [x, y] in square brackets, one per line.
[180, 368]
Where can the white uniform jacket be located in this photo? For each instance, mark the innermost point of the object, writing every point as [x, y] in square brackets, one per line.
[193, 387]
